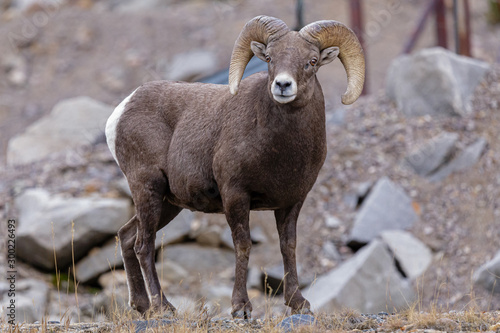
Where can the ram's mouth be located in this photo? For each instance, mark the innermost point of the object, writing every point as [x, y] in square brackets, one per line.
[283, 99]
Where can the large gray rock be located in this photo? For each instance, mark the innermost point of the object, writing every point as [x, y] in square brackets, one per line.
[210, 236]
[386, 207]
[98, 261]
[133, 6]
[432, 154]
[257, 234]
[413, 256]
[112, 279]
[171, 271]
[199, 260]
[272, 278]
[45, 226]
[192, 65]
[434, 81]
[101, 259]
[368, 282]
[176, 230]
[226, 238]
[30, 301]
[219, 296]
[465, 160]
[16, 69]
[294, 322]
[488, 275]
[72, 123]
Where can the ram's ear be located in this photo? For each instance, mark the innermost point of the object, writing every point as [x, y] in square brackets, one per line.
[328, 55]
[259, 50]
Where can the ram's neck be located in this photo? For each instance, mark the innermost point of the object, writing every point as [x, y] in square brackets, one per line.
[297, 115]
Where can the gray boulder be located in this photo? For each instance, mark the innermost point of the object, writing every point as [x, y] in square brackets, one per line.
[31, 300]
[432, 154]
[219, 296]
[15, 68]
[434, 82]
[171, 271]
[176, 230]
[386, 207]
[71, 123]
[45, 226]
[368, 282]
[101, 259]
[254, 278]
[192, 65]
[134, 6]
[197, 259]
[488, 275]
[413, 256]
[257, 234]
[110, 280]
[273, 277]
[226, 238]
[465, 160]
[294, 322]
[209, 236]
[185, 306]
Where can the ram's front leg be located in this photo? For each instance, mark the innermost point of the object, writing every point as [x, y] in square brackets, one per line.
[286, 222]
[237, 209]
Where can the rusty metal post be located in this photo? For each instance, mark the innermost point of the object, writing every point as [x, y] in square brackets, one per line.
[441, 31]
[465, 48]
[455, 26]
[357, 27]
[461, 14]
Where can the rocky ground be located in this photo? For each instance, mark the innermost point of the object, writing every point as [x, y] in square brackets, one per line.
[368, 141]
[345, 321]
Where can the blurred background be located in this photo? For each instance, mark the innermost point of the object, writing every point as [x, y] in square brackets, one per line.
[65, 64]
[52, 50]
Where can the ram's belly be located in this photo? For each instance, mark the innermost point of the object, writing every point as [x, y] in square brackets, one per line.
[191, 184]
[205, 200]
[189, 172]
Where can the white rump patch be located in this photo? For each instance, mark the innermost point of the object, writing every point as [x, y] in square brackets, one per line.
[112, 123]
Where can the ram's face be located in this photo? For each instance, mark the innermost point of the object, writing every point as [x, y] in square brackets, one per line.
[292, 66]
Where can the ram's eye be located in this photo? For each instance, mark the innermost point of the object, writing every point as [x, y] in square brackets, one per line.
[268, 58]
[313, 61]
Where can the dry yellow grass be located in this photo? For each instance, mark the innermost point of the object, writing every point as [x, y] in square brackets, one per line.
[409, 320]
[121, 319]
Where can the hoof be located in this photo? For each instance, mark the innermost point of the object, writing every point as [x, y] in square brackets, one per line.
[168, 307]
[241, 314]
[304, 311]
[141, 308]
[166, 310]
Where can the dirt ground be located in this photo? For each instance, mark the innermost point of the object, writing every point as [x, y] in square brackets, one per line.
[89, 48]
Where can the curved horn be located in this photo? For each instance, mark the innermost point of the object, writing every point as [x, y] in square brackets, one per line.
[260, 29]
[332, 33]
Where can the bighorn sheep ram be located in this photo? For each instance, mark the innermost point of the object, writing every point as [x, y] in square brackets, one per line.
[258, 145]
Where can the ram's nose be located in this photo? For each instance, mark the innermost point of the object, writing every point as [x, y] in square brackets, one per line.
[283, 85]
[284, 88]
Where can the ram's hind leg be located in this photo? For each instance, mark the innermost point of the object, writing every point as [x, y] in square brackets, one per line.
[152, 213]
[138, 296]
